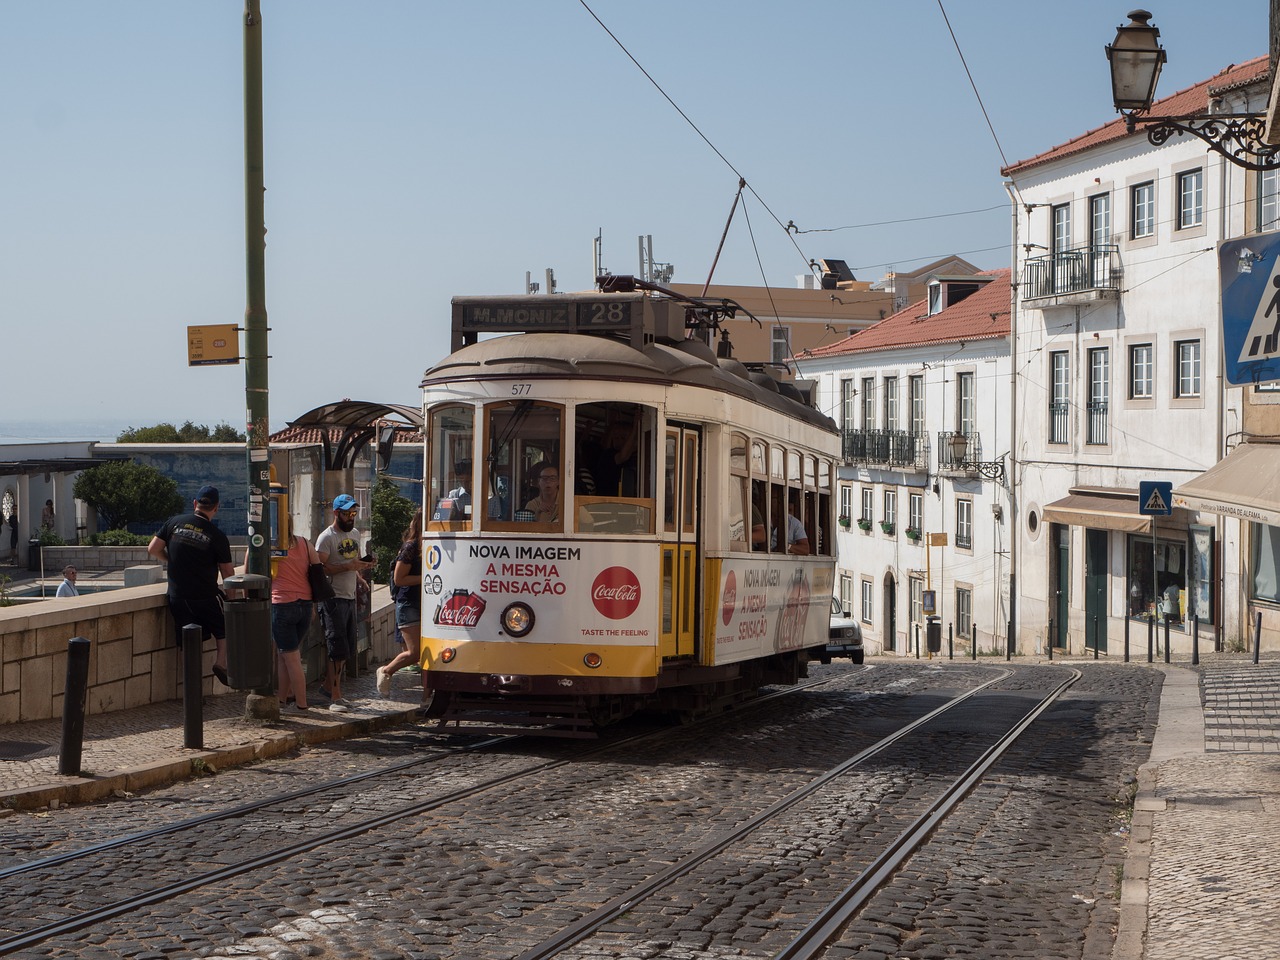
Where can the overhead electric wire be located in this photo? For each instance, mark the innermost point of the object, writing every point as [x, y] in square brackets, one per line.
[890, 223]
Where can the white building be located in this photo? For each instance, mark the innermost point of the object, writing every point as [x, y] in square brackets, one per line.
[921, 399]
[1119, 372]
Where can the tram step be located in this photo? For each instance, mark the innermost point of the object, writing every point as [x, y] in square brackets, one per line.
[527, 717]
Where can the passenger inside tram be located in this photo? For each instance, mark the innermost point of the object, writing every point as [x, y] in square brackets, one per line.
[545, 507]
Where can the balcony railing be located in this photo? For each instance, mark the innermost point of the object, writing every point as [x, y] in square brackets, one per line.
[891, 449]
[1097, 421]
[1059, 421]
[1089, 269]
[953, 458]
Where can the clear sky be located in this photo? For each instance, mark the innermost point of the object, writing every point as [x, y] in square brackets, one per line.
[418, 149]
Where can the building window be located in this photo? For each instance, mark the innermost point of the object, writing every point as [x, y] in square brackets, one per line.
[868, 593]
[1061, 228]
[846, 405]
[964, 612]
[868, 403]
[781, 343]
[1190, 199]
[966, 412]
[1156, 590]
[916, 591]
[915, 386]
[915, 512]
[1188, 369]
[846, 500]
[1143, 204]
[1060, 398]
[1268, 217]
[846, 593]
[890, 403]
[1099, 394]
[867, 500]
[964, 524]
[890, 509]
[1100, 219]
[1141, 371]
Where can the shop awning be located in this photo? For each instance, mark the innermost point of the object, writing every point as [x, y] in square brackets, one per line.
[1102, 512]
[1244, 484]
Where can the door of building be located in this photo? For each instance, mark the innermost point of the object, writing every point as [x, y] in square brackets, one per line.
[1095, 589]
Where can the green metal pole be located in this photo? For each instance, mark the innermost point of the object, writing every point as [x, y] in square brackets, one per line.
[255, 316]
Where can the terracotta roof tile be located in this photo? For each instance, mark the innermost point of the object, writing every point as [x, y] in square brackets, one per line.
[983, 315]
[1194, 99]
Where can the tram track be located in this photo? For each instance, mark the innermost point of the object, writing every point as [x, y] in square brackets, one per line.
[813, 940]
[13, 878]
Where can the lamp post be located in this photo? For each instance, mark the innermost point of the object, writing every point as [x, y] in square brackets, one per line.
[988, 470]
[1136, 58]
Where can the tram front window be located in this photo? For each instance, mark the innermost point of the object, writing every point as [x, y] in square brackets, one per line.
[612, 471]
[523, 440]
[452, 436]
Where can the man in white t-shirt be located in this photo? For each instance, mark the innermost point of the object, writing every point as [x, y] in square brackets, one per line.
[339, 548]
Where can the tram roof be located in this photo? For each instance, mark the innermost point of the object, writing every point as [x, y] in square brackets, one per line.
[689, 362]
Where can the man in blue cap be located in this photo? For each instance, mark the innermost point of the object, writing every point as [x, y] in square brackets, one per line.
[339, 548]
[197, 552]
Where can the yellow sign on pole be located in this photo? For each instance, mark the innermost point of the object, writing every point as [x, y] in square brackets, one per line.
[219, 343]
[937, 539]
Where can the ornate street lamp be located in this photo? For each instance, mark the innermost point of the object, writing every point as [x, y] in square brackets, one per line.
[987, 470]
[1136, 58]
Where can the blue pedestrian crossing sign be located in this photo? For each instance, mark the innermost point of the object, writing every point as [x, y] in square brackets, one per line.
[1249, 272]
[1155, 498]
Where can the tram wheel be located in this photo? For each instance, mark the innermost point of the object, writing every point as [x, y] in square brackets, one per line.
[434, 707]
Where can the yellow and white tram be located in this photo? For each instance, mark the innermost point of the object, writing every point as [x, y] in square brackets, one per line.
[613, 517]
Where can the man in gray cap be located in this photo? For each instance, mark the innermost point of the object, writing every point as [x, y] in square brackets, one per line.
[339, 548]
[197, 552]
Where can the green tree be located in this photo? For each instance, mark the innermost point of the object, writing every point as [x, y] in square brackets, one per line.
[391, 515]
[188, 433]
[124, 492]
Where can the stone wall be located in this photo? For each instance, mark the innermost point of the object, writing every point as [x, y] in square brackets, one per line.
[110, 558]
[133, 660]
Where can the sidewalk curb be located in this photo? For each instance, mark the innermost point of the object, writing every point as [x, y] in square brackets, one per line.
[274, 743]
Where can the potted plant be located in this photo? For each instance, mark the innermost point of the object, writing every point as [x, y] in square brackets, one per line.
[886, 526]
[864, 524]
[913, 533]
[843, 520]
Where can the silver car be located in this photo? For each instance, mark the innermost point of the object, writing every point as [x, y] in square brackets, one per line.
[845, 636]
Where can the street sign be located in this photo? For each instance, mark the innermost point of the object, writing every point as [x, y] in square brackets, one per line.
[937, 539]
[1155, 498]
[928, 600]
[219, 343]
[1249, 273]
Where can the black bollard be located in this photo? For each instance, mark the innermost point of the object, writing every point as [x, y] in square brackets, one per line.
[973, 643]
[1166, 639]
[1195, 641]
[73, 704]
[1151, 633]
[1126, 638]
[1008, 642]
[917, 641]
[1051, 639]
[951, 642]
[193, 686]
[1257, 636]
[1095, 636]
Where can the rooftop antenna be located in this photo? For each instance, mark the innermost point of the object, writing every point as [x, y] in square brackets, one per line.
[650, 270]
[597, 251]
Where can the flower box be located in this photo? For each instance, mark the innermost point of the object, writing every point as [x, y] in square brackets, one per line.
[886, 526]
[864, 525]
[913, 534]
[844, 522]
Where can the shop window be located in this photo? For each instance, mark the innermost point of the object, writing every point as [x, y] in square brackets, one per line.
[1156, 584]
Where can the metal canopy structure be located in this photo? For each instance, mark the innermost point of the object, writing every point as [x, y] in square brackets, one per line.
[360, 422]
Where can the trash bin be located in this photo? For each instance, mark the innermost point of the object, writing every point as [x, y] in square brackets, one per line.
[933, 634]
[251, 656]
[33, 554]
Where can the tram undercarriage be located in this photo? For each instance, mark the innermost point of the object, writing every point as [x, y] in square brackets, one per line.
[685, 692]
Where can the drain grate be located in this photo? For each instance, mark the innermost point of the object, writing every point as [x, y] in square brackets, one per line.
[24, 750]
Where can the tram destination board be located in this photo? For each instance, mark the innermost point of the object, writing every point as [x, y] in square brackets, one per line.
[622, 314]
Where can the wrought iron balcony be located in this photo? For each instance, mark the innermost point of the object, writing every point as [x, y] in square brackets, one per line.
[1098, 432]
[1078, 275]
[888, 449]
[960, 454]
[1059, 421]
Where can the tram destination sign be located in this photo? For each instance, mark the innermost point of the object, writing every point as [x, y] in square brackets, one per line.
[624, 314]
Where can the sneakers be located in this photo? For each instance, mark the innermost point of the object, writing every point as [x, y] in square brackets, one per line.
[293, 708]
[384, 683]
[339, 707]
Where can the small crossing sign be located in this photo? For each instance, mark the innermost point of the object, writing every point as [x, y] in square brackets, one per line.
[1155, 498]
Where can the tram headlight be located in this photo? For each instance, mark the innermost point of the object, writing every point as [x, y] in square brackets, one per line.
[517, 619]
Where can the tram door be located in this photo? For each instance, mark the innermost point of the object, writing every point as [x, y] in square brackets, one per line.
[677, 619]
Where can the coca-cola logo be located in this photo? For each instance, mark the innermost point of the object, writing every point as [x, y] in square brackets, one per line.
[730, 598]
[461, 608]
[616, 593]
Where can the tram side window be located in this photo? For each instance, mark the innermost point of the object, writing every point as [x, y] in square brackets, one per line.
[739, 495]
[759, 515]
[521, 472]
[451, 436]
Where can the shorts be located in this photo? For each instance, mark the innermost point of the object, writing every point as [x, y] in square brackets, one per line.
[206, 614]
[407, 614]
[289, 623]
[338, 617]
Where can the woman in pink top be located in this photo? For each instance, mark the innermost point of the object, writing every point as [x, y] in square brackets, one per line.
[290, 618]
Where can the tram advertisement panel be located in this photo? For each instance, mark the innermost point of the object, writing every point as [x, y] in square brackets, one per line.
[771, 607]
[588, 592]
